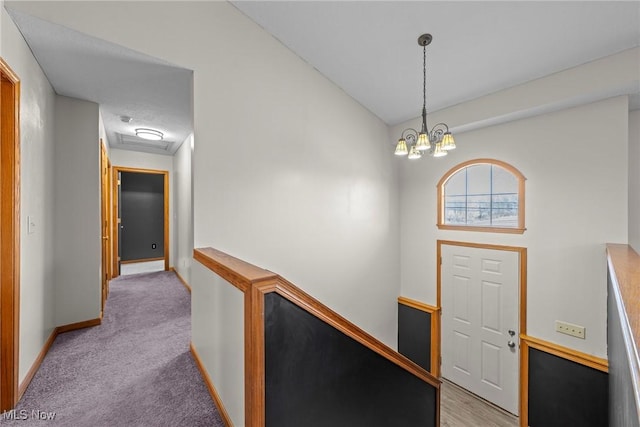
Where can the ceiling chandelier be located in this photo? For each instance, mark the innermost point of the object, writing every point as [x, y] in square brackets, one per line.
[437, 141]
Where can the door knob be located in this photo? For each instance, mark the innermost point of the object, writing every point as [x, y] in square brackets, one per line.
[512, 332]
[511, 344]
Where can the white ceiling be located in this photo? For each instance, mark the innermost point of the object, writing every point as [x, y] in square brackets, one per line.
[368, 48]
[154, 93]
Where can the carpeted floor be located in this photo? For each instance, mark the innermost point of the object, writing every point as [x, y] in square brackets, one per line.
[133, 370]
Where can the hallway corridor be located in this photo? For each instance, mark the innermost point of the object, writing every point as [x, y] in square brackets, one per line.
[133, 370]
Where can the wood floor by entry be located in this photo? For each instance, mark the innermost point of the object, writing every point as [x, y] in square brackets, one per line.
[459, 408]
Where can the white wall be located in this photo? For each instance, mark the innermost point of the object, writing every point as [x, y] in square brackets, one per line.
[219, 336]
[290, 173]
[634, 180]
[309, 191]
[37, 195]
[78, 240]
[576, 201]
[2, 11]
[603, 78]
[135, 159]
[183, 217]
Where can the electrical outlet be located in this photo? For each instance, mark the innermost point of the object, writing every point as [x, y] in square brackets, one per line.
[570, 329]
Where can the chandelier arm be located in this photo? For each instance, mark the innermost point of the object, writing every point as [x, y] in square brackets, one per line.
[446, 128]
[435, 135]
[410, 135]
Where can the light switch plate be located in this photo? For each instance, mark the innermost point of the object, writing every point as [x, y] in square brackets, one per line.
[570, 329]
[31, 224]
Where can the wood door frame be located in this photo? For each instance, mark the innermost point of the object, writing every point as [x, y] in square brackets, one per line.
[522, 310]
[105, 221]
[116, 219]
[9, 236]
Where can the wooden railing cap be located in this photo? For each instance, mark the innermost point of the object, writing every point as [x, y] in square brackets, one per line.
[626, 264]
[242, 273]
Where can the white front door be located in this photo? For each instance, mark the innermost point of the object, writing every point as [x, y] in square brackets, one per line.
[479, 291]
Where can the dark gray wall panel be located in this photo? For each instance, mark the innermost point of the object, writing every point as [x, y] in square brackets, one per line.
[414, 335]
[563, 393]
[142, 213]
[318, 377]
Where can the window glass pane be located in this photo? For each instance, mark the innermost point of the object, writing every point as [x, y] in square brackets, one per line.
[455, 211]
[479, 179]
[457, 184]
[504, 210]
[479, 210]
[504, 181]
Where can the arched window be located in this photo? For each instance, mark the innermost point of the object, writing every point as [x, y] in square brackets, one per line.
[482, 195]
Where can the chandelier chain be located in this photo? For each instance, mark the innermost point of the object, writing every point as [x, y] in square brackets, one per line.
[424, 77]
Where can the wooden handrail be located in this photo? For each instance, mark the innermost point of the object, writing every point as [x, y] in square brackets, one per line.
[255, 282]
[626, 267]
[239, 273]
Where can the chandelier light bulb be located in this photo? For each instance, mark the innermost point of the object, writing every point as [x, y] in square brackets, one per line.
[448, 142]
[423, 143]
[414, 153]
[401, 148]
[439, 152]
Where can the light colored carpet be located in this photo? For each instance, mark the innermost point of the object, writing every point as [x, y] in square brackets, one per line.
[133, 370]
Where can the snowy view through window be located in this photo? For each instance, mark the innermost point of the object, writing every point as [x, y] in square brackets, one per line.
[481, 195]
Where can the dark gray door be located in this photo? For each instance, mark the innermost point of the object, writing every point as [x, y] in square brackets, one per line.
[142, 216]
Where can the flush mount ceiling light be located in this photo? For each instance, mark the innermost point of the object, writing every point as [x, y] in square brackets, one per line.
[150, 134]
[437, 141]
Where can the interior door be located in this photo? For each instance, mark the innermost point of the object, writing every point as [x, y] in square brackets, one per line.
[479, 297]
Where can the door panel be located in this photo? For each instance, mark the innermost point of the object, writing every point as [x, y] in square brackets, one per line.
[479, 291]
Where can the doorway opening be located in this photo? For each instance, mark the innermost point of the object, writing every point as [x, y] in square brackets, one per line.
[9, 235]
[481, 292]
[141, 225]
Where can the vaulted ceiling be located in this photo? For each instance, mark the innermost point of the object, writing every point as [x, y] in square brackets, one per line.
[368, 48]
